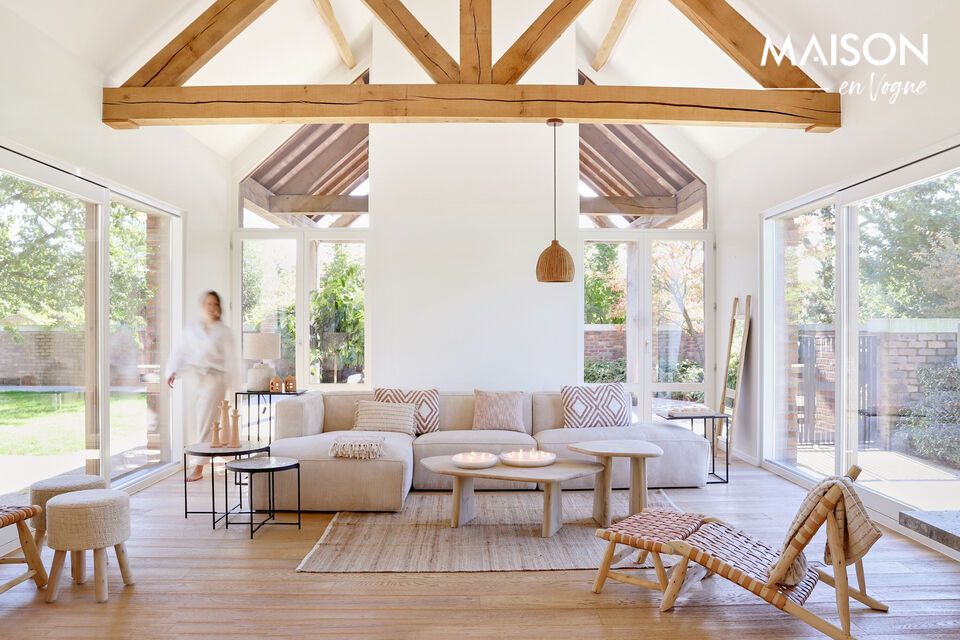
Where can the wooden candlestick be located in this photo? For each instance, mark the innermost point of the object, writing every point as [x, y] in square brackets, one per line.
[234, 429]
[215, 437]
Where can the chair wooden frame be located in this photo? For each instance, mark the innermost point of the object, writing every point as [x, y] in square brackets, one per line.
[31, 555]
[685, 574]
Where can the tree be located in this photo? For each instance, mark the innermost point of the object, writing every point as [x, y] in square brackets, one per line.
[337, 314]
[604, 298]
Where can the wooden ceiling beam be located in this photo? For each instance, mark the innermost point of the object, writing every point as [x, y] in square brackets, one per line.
[255, 197]
[534, 42]
[476, 44]
[336, 33]
[602, 175]
[636, 206]
[193, 47]
[431, 55]
[610, 40]
[148, 106]
[743, 43]
[314, 171]
[626, 164]
[647, 159]
[317, 204]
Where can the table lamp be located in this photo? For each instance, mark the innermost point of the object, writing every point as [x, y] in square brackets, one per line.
[260, 347]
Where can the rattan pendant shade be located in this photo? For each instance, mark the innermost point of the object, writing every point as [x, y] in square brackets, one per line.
[555, 263]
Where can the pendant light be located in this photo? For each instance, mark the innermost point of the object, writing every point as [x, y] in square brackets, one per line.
[555, 263]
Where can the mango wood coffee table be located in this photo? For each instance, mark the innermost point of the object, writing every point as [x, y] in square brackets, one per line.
[463, 505]
[605, 451]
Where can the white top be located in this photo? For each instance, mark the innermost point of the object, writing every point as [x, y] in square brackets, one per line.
[618, 448]
[206, 347]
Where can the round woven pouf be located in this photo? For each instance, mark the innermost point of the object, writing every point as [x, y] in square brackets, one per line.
[42, 490]
[91, 519]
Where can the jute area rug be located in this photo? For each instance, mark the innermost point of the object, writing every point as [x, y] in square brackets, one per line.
[505, 536]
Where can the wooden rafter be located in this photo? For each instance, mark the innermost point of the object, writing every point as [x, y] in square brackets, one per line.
[336, 33]
[743, 43]
[476, 48]
[621, 141]
[431, 55]
[614, 158]
[610, 40]
[534, 42]
[317, 204]
[201, 40]
[145, 106]
[635, 206]
[256, 197]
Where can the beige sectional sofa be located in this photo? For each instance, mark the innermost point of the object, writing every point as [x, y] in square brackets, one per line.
[307, 425]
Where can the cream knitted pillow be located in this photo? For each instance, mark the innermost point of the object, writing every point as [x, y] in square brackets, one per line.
[386, 416]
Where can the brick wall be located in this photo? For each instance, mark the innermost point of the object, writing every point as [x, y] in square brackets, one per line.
[606, 343]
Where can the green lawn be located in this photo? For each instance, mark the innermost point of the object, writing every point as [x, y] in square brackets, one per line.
[38, 424]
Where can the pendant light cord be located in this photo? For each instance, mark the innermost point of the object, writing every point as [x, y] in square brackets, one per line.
[554, 183]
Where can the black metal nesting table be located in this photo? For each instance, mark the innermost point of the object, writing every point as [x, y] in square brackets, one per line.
[204, 450]
[252, 466]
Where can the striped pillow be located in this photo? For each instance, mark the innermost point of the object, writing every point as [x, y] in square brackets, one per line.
[427, 402]
[595, 405]
[385, 416]
[498, 410]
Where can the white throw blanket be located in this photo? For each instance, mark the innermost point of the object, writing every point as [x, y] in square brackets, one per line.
[357, 447]
[857, 531]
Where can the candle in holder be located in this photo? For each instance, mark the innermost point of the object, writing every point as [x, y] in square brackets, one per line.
[475, 460]
[528, 458]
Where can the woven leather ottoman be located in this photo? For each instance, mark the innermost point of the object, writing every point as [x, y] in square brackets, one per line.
[92, 519]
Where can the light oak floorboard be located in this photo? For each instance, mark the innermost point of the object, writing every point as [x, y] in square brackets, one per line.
[193, 582]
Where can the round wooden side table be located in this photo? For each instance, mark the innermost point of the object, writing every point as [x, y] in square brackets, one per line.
[605, 451]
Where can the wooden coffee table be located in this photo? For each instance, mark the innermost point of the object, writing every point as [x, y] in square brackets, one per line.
[464, 506]
[605, 451]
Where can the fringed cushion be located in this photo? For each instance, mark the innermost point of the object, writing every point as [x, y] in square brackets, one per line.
[358, 447]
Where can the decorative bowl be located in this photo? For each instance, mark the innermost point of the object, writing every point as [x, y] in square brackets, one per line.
[475, 460]
[528, 458]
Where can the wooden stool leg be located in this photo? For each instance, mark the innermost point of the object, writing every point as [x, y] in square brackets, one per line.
[677, 578]
[604, 567]
[38, 536]
[839, 571]
[32, 555]
[100, 573]
[78, 566]
[53, 585]
[124, 561]
[661, 572]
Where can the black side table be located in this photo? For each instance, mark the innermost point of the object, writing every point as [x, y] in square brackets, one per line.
[204, 450]
[262, 403]
[269, 465]
[716, 420]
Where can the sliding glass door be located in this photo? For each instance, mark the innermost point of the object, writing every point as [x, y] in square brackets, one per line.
[861, 326]
[88, 305]
[646, 303]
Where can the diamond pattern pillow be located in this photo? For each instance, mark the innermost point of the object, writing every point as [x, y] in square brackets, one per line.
[427, 402]
[595, 405]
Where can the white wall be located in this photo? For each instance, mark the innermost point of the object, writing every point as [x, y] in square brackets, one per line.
[460, 214]
[50, 107]
[782, 166]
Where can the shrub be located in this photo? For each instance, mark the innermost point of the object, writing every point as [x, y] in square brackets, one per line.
[933, 423]
[605, 370]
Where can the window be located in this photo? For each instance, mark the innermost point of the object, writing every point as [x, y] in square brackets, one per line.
[268, 296]
[60, 348]
[645, 313]
[140, 333]
[336, 312]
[861, 362]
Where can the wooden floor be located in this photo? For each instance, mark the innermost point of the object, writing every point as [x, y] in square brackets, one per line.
[195, 582]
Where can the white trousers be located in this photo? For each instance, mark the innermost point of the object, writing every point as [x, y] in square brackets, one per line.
[206, 389]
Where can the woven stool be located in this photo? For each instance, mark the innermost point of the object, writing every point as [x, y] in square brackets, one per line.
[42, 490]
[91, 519]
[31, 556]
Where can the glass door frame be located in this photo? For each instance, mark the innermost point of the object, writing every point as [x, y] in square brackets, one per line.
[301, 308]
[643, 240]
[846, 264]
[99, 194]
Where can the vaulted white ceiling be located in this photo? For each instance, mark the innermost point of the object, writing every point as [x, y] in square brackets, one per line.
[290, 44]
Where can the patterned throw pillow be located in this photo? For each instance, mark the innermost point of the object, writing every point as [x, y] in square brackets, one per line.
[595, 405]
[498, 410]
[385, 416]
[427, 402]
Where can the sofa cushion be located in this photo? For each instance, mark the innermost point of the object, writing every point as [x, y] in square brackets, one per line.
[498, 410]
[427, 402]
[447, 443]
[595, 405]
[386, 416]
[396, 446]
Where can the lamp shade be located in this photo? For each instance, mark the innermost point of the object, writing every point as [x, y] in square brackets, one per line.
[261, 346]
[555, 264]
